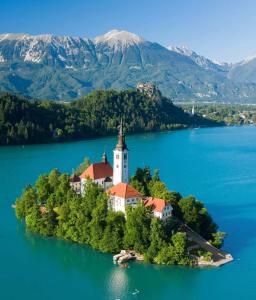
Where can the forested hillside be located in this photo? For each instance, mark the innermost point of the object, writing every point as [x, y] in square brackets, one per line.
[25, 121]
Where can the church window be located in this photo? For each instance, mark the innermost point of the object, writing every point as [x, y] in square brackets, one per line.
[117, 156]
[117, 166]
[125, 156]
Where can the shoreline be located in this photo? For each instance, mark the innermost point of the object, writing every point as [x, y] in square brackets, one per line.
[113, 135]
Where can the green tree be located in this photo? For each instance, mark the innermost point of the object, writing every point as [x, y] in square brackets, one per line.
[137, 228]
[83, 166]
[141, 180]
[43, 188]
[157, 239]
[26, 202]
[195, 215]
[89, 200]
[175, 252]
[112, 240]
[218, 239]
[53, 179]
[98, 222]
[33, 219]
[179, 241]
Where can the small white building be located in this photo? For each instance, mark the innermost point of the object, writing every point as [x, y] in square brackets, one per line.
[122, 195]
[75, 183]
[100, 173]
[161, 208]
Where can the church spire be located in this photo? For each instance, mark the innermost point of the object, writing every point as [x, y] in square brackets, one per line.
[121, 145]
[104, 158]
[121, 161]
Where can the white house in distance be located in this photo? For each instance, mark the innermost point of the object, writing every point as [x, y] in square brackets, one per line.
[121, 195]
[100, 173]
[161, 208]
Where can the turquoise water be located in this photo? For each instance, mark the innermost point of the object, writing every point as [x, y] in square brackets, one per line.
[217, 165]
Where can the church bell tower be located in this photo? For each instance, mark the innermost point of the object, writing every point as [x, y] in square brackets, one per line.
[120, 165]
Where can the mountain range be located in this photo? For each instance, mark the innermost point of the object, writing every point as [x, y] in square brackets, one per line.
[65, 68]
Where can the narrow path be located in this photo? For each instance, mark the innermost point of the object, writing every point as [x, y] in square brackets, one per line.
[220, 257]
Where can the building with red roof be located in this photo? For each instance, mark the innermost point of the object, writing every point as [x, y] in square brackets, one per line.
[122, 195]
[161, 208]
[115, 182]
[100, 173]
[75, 183]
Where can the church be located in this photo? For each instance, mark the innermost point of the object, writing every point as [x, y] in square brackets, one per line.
[115, 182]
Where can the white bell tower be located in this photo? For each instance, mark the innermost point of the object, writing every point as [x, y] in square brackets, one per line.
[121, 160]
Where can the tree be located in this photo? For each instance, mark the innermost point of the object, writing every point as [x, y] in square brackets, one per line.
[47, 223]
[89, 200]
[83, 166]
[33, 219]
[218, 239]
[43, 188]
[141, 180]
[53, 178]
[166, 255]
[175, 252]
[112, 240]
[26, 202]
[98, 222]
[137, 228]
[195, 215]
[158, 189]
[180, 255]
[157, 239]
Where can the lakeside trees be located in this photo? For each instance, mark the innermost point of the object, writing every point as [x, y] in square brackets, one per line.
[230, 114]
[97, 114]
[52, 208]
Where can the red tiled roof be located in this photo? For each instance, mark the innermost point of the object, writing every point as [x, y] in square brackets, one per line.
[158, 205]
[74, 178]
[97, 171]
[123, 190]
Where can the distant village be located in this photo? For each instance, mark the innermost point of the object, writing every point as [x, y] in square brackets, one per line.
[115, 182]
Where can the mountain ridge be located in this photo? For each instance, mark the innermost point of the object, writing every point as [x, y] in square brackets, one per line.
[66, 67]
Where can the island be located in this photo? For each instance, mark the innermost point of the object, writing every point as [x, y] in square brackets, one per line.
[102, 206]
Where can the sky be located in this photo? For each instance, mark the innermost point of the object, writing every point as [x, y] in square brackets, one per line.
[217, 29]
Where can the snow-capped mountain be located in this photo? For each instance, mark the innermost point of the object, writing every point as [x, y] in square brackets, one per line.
[117, 38]
[244, 71]
[46, 49]
[65, 67]
[201, 60]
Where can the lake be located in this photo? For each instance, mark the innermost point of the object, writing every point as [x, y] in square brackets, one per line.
[217, 165]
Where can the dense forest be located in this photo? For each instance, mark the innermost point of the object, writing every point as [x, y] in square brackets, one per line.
[24, 121]
[52, 208]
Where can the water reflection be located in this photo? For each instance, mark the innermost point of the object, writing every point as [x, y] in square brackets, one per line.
[118, 282]
[98, 277]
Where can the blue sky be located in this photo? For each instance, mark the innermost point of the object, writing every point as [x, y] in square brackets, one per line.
[218, 29]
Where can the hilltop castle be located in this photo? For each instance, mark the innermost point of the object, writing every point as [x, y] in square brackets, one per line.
[115, 182]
